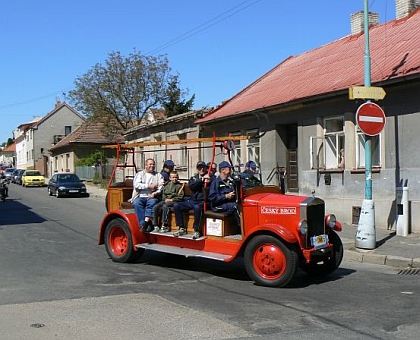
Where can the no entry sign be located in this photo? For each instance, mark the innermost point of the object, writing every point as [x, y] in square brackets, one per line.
[370, 118]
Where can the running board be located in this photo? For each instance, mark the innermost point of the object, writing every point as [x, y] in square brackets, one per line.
[184, 251]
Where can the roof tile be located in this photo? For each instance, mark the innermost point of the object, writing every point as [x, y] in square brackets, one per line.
[394, 51]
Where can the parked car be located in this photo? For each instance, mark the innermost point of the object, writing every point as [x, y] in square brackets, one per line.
[18, 177]
[32, 178]
[15, 175]
[8, 174]
[66, 184]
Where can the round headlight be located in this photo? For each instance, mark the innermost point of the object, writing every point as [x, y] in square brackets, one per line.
[303, 227]
[331, 221]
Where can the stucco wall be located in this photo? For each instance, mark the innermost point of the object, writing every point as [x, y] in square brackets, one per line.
[400, 158]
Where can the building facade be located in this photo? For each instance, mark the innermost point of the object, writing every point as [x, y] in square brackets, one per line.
[33, 139]
[306, 123]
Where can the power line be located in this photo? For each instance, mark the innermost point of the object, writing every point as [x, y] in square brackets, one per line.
[206, 25]
[28, 101]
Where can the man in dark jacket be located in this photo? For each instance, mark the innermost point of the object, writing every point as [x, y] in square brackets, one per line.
[248, 178]
[194, 202]
[222, 193]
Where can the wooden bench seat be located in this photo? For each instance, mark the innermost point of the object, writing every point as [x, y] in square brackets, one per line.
[215, 223]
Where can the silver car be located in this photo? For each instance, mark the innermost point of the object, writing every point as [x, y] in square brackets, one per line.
[8, 174]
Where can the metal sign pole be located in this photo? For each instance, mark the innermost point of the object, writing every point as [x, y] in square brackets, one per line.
[366, 233]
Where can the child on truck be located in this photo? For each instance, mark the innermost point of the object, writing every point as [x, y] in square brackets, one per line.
[172, 192]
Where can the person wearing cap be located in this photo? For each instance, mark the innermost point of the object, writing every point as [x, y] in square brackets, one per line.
[248, 178]
[194, 202]
[168, 166]
[222, 194]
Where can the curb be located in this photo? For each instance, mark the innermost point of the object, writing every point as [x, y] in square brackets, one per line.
[387, 260]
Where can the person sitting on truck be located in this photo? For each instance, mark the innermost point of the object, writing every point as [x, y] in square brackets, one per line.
[213, 169]
[248, 178]
[172, 192]
[168, 166]
[147, 186]
[194, 202]
[222, 193]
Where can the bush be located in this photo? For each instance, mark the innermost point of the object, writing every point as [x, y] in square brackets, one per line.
[97, 157]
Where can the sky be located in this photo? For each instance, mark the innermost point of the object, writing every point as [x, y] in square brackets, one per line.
[217, 47]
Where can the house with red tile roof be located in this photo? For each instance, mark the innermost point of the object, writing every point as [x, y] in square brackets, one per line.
[82, 142]
[8, 155]
[33, 139]
[304, 121]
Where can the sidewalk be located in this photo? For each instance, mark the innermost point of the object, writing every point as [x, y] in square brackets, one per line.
[391, 250]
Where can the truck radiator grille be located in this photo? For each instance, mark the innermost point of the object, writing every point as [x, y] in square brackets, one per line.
[313, 210]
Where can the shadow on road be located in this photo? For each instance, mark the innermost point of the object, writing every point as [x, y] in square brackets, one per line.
[13, 212]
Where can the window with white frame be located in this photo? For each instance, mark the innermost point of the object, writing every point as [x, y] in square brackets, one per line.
[360, 149]
[236, 152]
[183, 150]
[333, 141]
[253, 147]
[316, 146]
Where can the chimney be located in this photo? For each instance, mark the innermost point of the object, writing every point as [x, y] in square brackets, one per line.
[357, 21]
[404, 7]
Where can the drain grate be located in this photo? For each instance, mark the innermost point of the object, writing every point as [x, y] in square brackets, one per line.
[409, 271]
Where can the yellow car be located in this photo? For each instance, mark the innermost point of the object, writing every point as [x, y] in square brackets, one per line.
[32, 178]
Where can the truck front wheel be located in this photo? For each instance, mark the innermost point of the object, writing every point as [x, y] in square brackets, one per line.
[330, 264]
[119, 242]
[270, 262]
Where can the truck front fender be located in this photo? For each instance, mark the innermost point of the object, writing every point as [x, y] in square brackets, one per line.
[279, 230]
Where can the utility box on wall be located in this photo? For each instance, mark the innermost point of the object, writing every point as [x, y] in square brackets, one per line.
[402, 211]
[355, 214]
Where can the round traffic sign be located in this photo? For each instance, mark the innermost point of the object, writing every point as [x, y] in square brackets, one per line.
[371, 118]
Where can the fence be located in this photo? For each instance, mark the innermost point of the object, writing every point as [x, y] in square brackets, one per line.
[97, 174]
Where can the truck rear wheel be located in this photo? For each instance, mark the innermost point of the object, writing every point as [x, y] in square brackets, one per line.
[119, 242]
[270, 262]
[330, 264]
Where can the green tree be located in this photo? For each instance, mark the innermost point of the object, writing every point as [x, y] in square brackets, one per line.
[175, 104]
[97, 156]
[124, 88]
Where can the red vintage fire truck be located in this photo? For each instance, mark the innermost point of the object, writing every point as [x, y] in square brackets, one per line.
[279, 233]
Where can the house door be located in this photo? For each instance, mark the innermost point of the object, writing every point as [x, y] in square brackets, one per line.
[288, 155]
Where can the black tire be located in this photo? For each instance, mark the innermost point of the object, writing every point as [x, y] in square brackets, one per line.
[119, 242]
[270, 262]
[329, 265]
[49, 192]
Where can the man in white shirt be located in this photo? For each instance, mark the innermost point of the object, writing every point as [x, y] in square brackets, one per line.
[147, 186]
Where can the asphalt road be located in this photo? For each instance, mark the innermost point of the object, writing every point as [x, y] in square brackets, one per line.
[57, 283]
